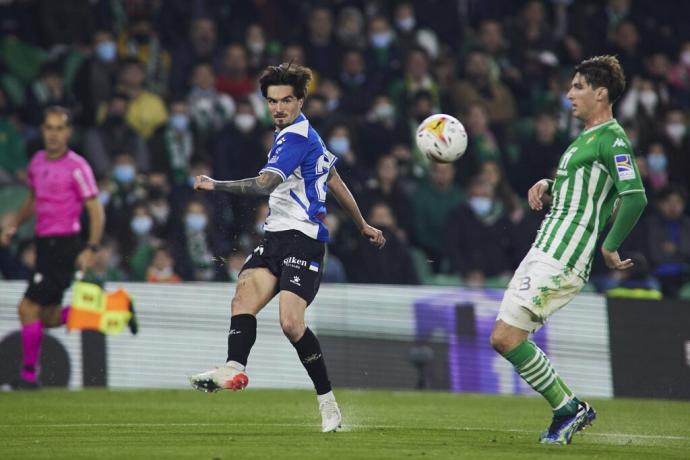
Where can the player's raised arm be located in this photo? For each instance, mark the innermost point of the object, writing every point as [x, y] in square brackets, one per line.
[263, 184]
[347, 201]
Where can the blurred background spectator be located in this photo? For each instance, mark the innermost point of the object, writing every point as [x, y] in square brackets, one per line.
[163, 91]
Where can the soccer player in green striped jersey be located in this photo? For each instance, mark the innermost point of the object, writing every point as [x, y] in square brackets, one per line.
[596, 175]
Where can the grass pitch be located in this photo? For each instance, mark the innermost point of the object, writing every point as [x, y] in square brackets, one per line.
[100, 424]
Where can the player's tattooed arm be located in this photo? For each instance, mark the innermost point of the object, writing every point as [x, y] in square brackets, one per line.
[263, 184]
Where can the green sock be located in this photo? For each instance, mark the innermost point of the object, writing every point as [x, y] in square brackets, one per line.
[535, 369]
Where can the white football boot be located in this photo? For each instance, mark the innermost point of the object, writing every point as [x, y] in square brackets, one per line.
[231, 376]
[331, 420]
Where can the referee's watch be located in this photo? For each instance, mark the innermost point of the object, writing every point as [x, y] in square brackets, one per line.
[94, 247]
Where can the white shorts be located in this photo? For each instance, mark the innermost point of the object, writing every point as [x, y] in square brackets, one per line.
[540, 287]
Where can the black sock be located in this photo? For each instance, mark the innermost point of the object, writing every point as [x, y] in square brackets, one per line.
[241, 337]
[309, 352]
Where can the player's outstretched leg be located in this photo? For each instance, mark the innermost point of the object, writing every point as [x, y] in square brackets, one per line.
[569, 413]
[232, 375]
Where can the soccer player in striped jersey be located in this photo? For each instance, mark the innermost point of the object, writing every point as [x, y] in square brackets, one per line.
[596, 178]
[289, 262]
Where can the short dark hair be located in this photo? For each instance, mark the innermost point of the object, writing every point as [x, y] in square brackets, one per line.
[60, 110]
[286, 73]
[603, 71]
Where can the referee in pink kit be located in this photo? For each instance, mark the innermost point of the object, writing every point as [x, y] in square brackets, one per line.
[60, 182]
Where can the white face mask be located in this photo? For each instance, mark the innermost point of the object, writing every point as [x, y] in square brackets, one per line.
[481, 205]
[406, 24]
[256, 47]
[648, 99]
[160, 213]
[245, 122]
[675, 131]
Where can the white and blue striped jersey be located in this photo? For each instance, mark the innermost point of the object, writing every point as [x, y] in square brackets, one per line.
[300, 157]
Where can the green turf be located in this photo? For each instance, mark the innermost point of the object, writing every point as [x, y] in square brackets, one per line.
[279, 425]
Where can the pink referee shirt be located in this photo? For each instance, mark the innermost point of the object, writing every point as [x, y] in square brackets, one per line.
[60, 186]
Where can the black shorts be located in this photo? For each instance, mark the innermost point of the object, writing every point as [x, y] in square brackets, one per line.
[55, 259]
[294, 258]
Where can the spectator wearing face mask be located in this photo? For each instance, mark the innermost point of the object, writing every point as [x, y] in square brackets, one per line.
[358, 85]
[175, 146]
[139, 242]
[103, 142]
[405, 25]
[194, 247]
[657, 164]
[94, 82]
[162, 269]
[340, 144]
[476, 237]
[382, 54]
[381, 128]
[159, 208]
[642, 105]
[126, 188]
[238, 152]
[677, 145]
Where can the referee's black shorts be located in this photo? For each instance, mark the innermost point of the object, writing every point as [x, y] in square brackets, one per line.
[55, 265]
[292, 257]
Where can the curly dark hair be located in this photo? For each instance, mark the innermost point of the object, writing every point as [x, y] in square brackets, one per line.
[286, 73]
[603, 71]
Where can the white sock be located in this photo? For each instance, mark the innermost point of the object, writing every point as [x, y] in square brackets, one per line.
[235, 365]
[326, 397]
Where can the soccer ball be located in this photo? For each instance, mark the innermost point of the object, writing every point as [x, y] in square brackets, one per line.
[442, 138]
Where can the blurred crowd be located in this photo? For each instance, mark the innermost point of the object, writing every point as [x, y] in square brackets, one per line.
[162, 91]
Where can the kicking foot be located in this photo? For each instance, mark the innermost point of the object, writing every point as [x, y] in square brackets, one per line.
[227, 377]
[591, 415]
[563, 427]
[331, 419]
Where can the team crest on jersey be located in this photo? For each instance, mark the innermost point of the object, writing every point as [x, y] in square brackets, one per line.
[624, 167]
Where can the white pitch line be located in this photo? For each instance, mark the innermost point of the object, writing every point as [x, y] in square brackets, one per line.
[355, 426]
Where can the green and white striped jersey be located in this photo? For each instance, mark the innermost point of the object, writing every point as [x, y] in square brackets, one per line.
[597, 168]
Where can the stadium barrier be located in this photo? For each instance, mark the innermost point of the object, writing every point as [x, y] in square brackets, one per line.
[373, 337]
